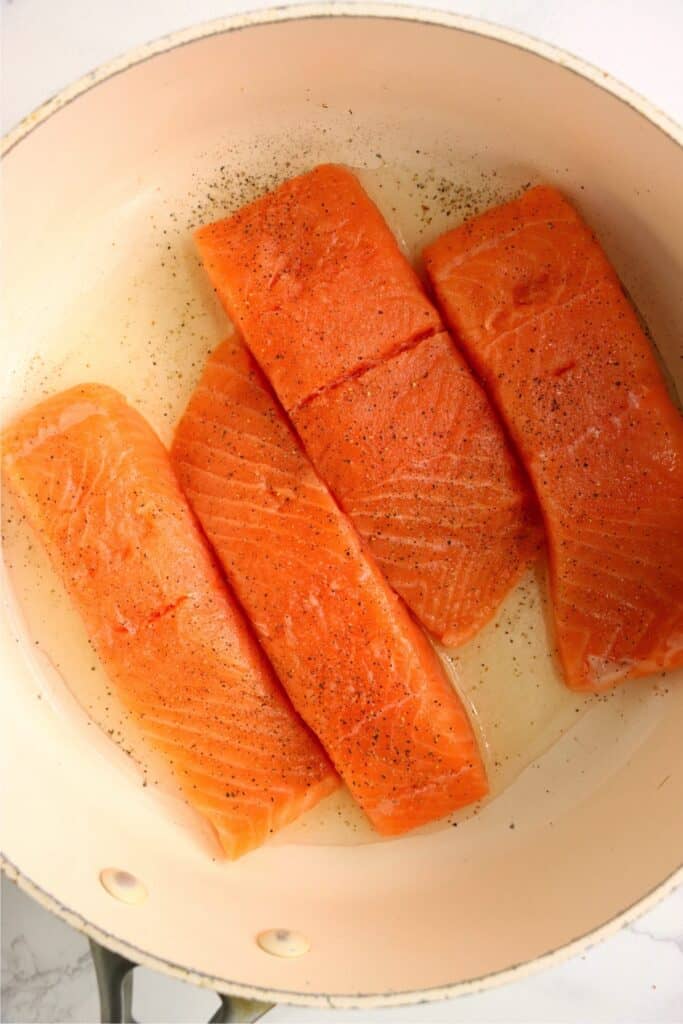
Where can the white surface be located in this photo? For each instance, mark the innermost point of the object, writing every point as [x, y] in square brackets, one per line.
[638, 975]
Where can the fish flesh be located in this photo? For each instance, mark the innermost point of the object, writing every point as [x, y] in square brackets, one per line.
[422, 467]
[339, 322]
[96, 484]
[312, 277]
[539, 311]
[357, 668]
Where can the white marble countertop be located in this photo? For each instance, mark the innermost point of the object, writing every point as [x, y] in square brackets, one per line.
[634, 977]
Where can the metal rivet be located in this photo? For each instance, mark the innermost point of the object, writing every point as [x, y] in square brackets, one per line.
[282, 942]
[123, 886]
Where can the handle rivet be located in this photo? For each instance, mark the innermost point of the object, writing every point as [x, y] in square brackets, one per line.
[123, 886]
[282, 942]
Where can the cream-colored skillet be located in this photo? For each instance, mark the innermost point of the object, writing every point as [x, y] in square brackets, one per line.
[99, 185]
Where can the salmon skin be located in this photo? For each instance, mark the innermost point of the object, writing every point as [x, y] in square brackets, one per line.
[98, 487]
[388, 412]
[357, 668]
[538, 309]
[417, 460]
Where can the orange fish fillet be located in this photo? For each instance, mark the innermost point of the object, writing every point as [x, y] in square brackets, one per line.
[542, 316]
[420, 464]
[97, 485]
[357, 668]
[314, 280]
[328, 304]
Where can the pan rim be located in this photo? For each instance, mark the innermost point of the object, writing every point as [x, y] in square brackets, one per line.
[493, 979]
[341, 9]
[311, 11]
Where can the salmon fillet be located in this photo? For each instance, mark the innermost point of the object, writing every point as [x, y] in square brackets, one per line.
[417, 460]
[312, 277]
[338, 320]
[541, 314]
[357, 668]
[97, 486]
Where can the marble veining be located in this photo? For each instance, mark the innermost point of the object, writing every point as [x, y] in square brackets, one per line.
[33, 992]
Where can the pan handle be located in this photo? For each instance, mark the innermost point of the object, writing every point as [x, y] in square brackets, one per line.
[115, 985]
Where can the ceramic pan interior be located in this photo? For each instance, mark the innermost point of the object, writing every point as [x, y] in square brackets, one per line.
[90, 184]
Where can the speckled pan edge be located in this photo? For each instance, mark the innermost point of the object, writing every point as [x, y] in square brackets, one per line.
[401, 12]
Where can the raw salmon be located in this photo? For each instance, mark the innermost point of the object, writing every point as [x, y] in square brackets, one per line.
[416, 458]
[541, 314]
[97, 485]
[355, 665]
[393, 421]
[312, 277]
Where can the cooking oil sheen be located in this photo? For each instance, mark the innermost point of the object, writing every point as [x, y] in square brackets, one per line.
[145, 324]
